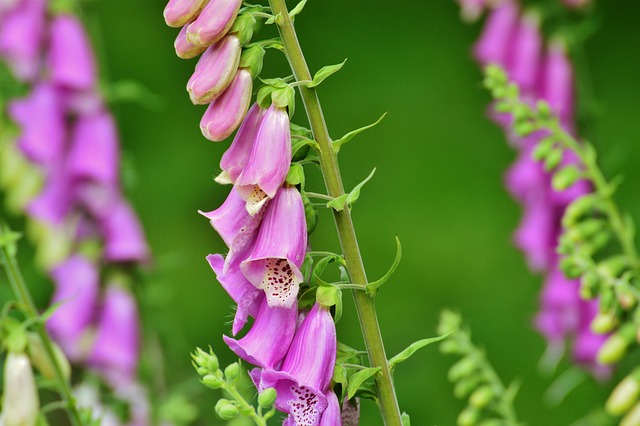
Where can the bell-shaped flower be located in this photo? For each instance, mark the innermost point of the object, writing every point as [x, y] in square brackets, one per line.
[496, 39]
[537, 233]
[330, 417]
[557, 87]
[71, 57]
[20, 401]
[268, 162]
[586, 343]
[247, 297]
[123, 234]
[215, 70]
[180, 12]
[303, 381]
[559, 314]
[215, 20]
[184, 48]
[77, 284]
[41, 117]
[56, 201]
[21, 35]
[236, 157]
[225, 113]
[266, 344]
[117, 343]
[525, 63]
[526, 179]
[279, 249]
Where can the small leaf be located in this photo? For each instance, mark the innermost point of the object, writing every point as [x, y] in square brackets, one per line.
[324, 73]
[337, 144]
[347, 355]
[327, 295]
[372, 287]
[296, 10]
[339, 203]
[273, 19]
[355, 193]
[295, 175]
[284, 97]
[413, 348]
[340, 375]
[406, 421]
[357, 379]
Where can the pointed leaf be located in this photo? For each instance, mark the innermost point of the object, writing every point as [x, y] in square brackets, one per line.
[355, 193]
[339, 203]
[337, 144]
[324, 73]
[274, 19]
[357, 379]
[373, 287]
[347, 355]
[413, 348]
[297, 9]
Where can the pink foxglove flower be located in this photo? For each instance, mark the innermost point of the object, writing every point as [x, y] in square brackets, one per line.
[331, 416]
[279, 249]
[77, 285]
[20, 401]
[214, 22]
[225, 113]
[266, 344]
[302, 382]
[56, 201]
[215, 70]
[180, 12]
[526, 56]
[116, 347]
[21, 35]
[495, 41]
[235, 158]
[537, 234]
[70, 55]
[557, 87]
[184, 48]
[124, 238]
[559, 315]
[269, 161]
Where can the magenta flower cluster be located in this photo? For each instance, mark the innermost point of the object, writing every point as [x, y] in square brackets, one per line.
[512, 39]
[69, 136]
[262, 222]
[473, 9]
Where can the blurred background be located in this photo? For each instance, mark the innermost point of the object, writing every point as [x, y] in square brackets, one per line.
[439, 187]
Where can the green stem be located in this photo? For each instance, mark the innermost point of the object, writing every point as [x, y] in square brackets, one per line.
[365, 304]
[245, 406]
[22, 293]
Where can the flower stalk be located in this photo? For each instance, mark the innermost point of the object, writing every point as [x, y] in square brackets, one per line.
[365, 304]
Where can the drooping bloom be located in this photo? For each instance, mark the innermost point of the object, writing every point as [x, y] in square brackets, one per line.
[20, 402]
[76, 290]
[214, 22]
[21, 35]
[184, 48]
[124, 238]
[493, 45]
[527, 50]
[116, 346]
[266, 344]
[279, 249]
[302, 382]
[559, 316]
[557, 88]
[180, 12]
[226, 112]
[268, 162]
[215, 70]
[586, 343]
[70, 55]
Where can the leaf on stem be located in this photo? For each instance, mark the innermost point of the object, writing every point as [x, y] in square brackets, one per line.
[373, 287]
[350, 198]
[337, 144]
[324, 73]
[413, 348]
[296, 10]
[357, 380]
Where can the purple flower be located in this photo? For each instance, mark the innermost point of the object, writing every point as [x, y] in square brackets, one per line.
[537, 234]
[557, 88]
[304, 378]
[269, 161]
[215, 70]
[526, 179]
[184, 48]
[280, 248]
[70, 54]
[116, 346]
[214, 21]
[330, 417]
[124, 238]
[235, 158]
[56, 201]
[587, 344]
[527, 49]
[76, 289]
[226, 112]
[266, 344]
[497, 36]
[180, 12]
[559, 313]
[21, 36]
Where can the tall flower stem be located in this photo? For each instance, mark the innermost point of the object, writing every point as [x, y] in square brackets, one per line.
[365, 304]
[22, 293]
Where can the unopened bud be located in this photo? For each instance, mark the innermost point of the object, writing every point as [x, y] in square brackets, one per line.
[465, 386]
[226, 409]
[232, 371]
[632, 418]
[604, 322]
[20, 400]
[616, 346]
[212, 381]
[41, 359]
[462, 368]
[469, 416]
[481, 397]
[212, 363]
[623, 396]
[267, 397]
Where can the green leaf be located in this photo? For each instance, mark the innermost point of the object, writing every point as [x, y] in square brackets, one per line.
[274, 19]
[295, 175]
[337, 144]
[9, 238]
[348, 355]
[339, 203]
[357, 379]
[284, 97]
[372, 287]
[406, 421]
[324, 73]
[339, 375]
[413, 348]
[355, 193]
[330, 295]
[296, 10]
[565, 177]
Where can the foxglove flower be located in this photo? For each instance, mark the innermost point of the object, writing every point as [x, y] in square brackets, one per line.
[116, 347]
[56, 201]
[279, 249]
[304, 378]
[494, 43]
[526, 179]
[70, 55]
[215, 70]
[20, 400]
[269, 161]
[537, 234]
[77, 285]
[124, 238]
[587, 344]
[184, 48]
[330, 417]
[266, 344]
[225, 113]
[21, 35]
[559, 316]
[527, 49]
[235, 158]
[180, 12]
[214, 22]
[557, 87]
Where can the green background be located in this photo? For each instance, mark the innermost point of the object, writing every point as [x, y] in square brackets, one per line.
[439, 186]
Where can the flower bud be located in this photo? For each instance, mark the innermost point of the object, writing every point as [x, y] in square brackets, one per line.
[212, 381]
[633, 418]
[465, 386]
[184, 48]
[41, 359]
[214, 22]
[226, 409]
[267, 397]
[624, 395]
[20, 399]
[604, 322]
[616, 346]
[468, 417]
[232, 371]
[462, 368]
[212, 363]
[481, 397]
[180, 12]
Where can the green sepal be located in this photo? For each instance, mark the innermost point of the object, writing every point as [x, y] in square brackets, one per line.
[337, 144]
[357, 379]
[8, 240]
[300, 148]
[274, 19]
[324, 73]
[373, 287]
[413, 348]
[339, 203]
[301, 131]
[553, 159]
[330, 295]
[295, 176]
[252, 58]
[406, 420]
[285, 97]
[297, 9]
[244, 27]
[310, 214]
[347, 355]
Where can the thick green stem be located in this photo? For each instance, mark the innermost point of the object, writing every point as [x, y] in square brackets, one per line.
[365, 304]
[22, 294]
